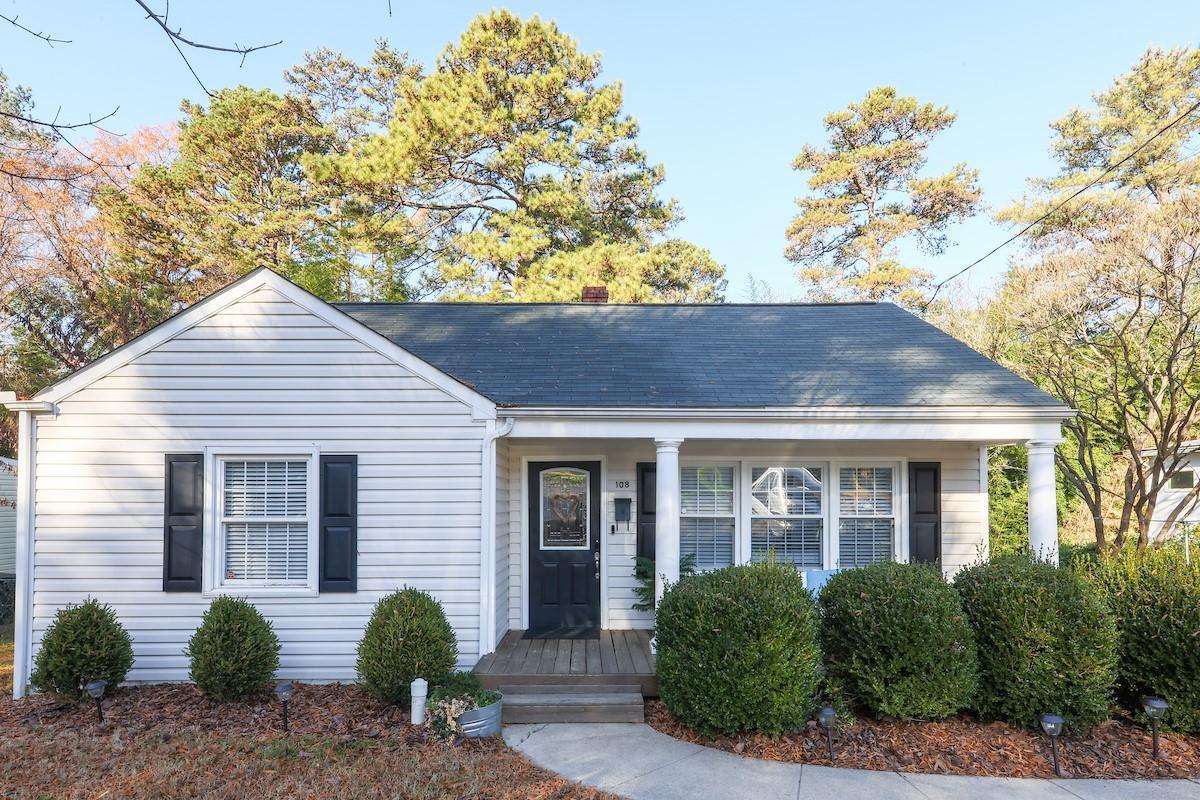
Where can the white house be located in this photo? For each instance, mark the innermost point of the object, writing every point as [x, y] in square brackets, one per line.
[1178, 503]
[510, 459]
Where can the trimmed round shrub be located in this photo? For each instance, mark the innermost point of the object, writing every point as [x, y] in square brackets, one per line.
[84, 643]
[1155, 597]
[737, 649]
[408, 637]
[234, 652]
[1045, 639]
[896, 638]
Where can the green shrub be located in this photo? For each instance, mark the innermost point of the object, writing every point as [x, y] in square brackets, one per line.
[408, 637]
[1045, 639]
[234, 652]
[84, 643]
[1155, 597]
[737, 649]
[895, 636]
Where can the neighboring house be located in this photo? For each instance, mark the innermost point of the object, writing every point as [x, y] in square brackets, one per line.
[8, 520]
[509, 459]
[1178, 503]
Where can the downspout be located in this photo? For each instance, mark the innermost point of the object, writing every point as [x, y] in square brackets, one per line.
[487, 536]
[26, 473]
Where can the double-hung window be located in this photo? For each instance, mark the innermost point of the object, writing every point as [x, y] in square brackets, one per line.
[787, 515]
[707, 516]
[266, 529]
[866, 507]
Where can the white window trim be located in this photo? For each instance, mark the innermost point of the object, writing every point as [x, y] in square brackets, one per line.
[826, 503]
[587, 517]
[214, 571]
[899, 506]
[736, 516]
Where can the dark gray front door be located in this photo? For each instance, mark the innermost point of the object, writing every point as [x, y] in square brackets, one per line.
[564, 545]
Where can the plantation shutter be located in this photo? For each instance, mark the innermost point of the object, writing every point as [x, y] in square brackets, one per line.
[339, 524]
[183, 524]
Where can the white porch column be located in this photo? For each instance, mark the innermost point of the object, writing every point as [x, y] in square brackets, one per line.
[1043, 500]
[666, 517]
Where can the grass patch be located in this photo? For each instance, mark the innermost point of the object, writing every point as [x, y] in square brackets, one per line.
[141, 766]
[170, 741]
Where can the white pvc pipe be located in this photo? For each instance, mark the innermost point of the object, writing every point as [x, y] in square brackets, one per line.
[420, 691]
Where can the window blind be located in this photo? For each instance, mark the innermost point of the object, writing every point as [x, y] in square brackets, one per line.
[866, 510]
[265, 506]
[786, 510]
[706, 526]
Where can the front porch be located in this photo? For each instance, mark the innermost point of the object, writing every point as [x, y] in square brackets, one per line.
[614, 658]
[601, 679]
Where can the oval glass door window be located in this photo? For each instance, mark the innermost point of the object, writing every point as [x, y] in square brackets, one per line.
[566, 496]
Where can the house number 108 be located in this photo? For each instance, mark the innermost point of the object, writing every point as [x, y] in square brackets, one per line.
[621, 484]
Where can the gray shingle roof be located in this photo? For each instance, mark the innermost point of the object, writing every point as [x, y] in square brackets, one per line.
[698, 356]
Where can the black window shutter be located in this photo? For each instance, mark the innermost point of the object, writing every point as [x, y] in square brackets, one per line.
[183, 525]
[647, 497]
[339, 524]
[925, 512]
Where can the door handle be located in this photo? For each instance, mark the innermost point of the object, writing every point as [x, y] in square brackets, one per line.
[596, 555]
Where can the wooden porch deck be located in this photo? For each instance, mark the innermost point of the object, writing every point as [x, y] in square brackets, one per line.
[616, 658]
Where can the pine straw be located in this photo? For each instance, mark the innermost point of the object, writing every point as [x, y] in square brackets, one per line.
[961, 746]
[171, 741]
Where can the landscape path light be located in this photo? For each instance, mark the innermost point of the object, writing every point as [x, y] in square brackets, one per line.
[1155, 708]
[95, 690]
[1052, 724]
[826, 718]
[284, 692]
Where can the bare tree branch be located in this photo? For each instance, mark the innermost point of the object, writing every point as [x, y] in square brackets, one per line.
[45, 37]
[177, 38]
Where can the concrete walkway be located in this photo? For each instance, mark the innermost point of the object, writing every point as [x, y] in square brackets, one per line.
[638, 762]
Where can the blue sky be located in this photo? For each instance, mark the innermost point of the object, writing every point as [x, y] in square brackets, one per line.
[726, 93]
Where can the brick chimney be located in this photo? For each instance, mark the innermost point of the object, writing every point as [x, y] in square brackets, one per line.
[595, 294]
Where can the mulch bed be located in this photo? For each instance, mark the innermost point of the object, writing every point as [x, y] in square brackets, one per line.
[333, 711]
[172, 741]
[961, 746]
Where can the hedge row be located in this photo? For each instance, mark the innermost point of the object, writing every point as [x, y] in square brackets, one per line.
[235, 653]
[746, 648]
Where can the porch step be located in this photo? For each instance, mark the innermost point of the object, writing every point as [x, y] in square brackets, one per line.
[573, 703]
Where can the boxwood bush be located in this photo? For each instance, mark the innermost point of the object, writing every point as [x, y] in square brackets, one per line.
[84, 643]
[1046, 642]
[737, 649]
[1155, 597]
[896, 638]
[408, 637]
[234, 653]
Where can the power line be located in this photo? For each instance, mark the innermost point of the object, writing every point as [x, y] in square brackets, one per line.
[941, 284]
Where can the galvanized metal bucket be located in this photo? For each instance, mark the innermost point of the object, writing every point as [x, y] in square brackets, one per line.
[481, 722]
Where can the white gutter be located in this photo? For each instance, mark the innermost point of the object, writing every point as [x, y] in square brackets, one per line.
[487, 535]
[26, 467]
[799, 412]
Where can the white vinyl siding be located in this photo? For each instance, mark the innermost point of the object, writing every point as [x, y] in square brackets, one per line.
[8, 517]
[263, 375]
[707, 524]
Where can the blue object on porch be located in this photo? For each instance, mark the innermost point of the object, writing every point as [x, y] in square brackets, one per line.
[815, 579]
